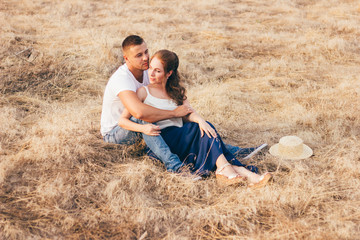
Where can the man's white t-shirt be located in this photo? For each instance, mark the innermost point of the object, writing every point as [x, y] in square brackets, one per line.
[112, 107]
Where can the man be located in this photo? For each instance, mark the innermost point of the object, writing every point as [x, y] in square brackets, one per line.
[120, 93]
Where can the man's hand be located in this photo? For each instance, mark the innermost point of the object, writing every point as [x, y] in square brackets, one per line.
[151, 129]
[183, 110]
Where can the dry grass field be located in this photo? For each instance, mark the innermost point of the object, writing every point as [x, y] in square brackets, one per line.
[258, 70]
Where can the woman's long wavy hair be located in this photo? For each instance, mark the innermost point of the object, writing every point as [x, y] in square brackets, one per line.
[173, 87]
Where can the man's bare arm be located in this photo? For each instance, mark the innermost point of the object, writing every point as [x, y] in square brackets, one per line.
[148, 113]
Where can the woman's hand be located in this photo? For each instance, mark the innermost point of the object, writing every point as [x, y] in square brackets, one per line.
[205, 127]
[151, 129]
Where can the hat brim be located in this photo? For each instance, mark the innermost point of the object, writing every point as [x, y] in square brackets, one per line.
[307, 152]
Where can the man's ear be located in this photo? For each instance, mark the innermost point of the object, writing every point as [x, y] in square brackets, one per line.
[125, 57]
[169, 74]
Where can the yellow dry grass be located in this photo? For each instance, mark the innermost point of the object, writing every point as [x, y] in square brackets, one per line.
[258, 70]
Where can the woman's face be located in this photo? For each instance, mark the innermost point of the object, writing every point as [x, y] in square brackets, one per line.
[156, 72]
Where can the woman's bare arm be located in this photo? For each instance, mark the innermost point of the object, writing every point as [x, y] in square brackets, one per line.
[203, 125]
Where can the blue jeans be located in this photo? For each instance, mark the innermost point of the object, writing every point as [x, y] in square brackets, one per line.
[232, 149]
[156, 144]
[238, 151]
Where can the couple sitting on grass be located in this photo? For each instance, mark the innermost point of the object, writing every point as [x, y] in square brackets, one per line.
[147, 97]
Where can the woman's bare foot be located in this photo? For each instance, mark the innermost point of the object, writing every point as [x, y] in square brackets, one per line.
[252, 177]
[264, 179]
[226, 175]
[227, 171]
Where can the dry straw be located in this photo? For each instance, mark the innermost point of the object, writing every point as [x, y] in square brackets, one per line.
[257, 70]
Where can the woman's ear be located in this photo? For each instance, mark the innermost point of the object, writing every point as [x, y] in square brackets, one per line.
[169, 74]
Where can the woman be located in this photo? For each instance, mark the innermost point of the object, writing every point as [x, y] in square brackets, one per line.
[196, 142]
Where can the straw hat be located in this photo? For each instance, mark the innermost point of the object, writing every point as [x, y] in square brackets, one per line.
[291, 147]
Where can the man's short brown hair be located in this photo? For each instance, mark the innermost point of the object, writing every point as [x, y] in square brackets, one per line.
[131, 40]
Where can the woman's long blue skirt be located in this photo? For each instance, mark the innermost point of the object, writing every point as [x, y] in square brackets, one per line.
[198, 153]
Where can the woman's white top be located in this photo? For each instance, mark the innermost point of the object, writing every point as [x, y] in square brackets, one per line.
[164, 104]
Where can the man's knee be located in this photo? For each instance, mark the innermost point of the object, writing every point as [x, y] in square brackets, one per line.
[122, 136]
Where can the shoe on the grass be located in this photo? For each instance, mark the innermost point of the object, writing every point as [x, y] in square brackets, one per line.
[253, 151]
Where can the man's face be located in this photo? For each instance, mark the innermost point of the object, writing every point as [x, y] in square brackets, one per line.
[137, 57]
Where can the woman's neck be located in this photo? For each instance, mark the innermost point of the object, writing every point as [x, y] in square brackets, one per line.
[158, 90]
[159, 86]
